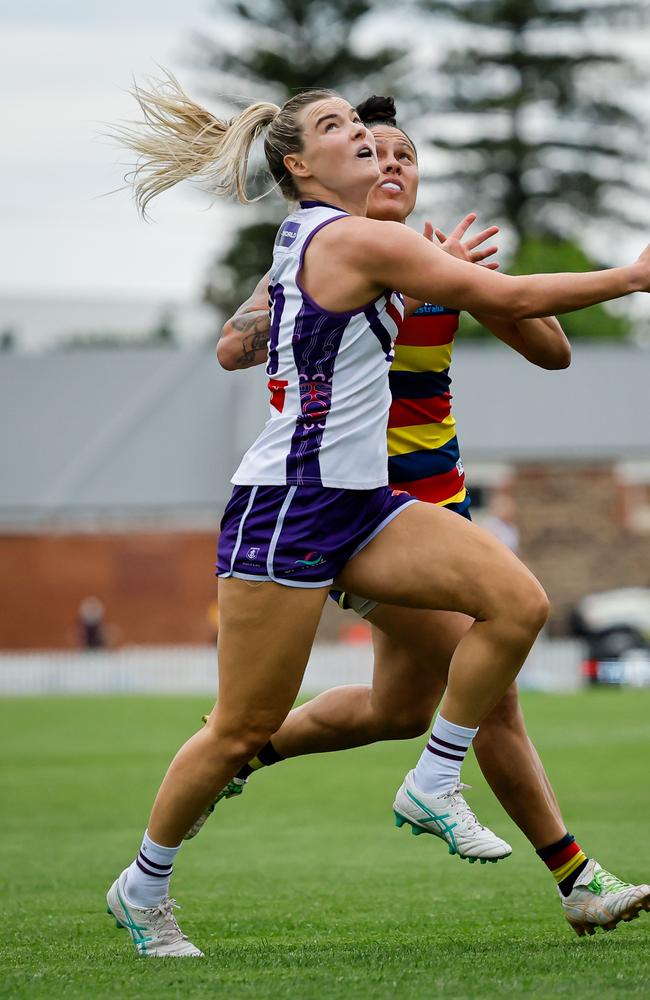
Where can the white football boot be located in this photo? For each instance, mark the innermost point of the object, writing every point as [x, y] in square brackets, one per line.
[154, 930]
[449, 817]
[600, 899]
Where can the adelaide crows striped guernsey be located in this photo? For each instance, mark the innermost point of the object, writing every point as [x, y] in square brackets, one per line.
[423, 454]
[327, 377]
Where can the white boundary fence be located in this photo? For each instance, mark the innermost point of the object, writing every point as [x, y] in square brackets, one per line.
[554, 665]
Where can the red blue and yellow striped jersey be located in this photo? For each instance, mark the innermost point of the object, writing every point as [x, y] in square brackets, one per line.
[423, 453]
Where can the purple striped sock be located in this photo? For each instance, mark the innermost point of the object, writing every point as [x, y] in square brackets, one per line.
[147, 881]
[438, 769]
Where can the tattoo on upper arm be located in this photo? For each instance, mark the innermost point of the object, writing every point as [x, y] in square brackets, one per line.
[256, 327]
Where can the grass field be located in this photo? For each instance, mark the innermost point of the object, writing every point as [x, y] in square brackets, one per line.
[302, 888]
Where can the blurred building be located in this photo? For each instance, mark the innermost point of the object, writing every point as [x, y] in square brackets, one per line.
[115, 469]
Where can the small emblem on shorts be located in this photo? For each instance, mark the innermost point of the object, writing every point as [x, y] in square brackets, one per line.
[311, 559]
[253, 552]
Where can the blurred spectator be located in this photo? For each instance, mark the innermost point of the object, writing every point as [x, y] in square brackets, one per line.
[501, 520]
[90, 624]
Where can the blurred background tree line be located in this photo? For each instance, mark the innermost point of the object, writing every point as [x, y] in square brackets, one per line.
[530, 112]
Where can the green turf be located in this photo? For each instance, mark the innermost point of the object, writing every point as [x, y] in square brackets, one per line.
[302, 887]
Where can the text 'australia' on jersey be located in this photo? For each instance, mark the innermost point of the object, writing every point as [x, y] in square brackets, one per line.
[327, 377]
[423, 453]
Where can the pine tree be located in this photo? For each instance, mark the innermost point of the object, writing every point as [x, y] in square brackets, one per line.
[552, 138]
[271, 49]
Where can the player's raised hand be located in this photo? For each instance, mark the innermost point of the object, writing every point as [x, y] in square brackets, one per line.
[466, 249]
[643, 264]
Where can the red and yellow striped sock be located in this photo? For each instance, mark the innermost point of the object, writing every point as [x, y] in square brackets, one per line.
[565, 860]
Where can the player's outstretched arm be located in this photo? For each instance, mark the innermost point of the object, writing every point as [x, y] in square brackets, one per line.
[541, 341]
[244, 337]
[389, 255]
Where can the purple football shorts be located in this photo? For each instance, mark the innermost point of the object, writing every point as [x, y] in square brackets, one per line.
[300, 536]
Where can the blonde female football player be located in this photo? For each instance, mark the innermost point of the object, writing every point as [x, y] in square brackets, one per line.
[311, 504]
[413, 648]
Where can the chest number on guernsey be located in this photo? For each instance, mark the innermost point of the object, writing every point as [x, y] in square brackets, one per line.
[277, 388]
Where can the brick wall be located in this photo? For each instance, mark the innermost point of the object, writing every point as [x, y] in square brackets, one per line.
[156, 588]
[574, 535]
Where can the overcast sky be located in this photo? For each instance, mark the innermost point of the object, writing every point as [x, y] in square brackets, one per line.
[64, 69]
[64, 65]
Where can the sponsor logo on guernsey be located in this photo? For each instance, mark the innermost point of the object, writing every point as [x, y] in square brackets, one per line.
[311, 559]
[459, 467]
[428, 310]
[287, 234]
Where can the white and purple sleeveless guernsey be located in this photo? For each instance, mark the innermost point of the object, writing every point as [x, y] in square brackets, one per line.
[312, 489]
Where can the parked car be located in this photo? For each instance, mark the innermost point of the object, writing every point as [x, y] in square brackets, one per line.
[615, 626]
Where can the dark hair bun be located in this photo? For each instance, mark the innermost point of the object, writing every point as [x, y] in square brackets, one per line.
[377, 111]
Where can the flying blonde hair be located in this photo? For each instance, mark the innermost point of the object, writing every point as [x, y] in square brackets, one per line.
[179, 139]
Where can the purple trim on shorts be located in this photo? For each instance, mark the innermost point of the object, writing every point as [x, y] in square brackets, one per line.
[380, 331]
[263, 578]
[277, 299]
[273, 544]
[240, 530]
[300, 536]
[384, 523]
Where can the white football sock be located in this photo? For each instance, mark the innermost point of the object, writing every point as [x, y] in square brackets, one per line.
[438, 769]
[147, 880]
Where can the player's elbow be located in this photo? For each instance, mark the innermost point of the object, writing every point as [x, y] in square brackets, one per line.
[557, 351]
[227, 354]
[556, 359]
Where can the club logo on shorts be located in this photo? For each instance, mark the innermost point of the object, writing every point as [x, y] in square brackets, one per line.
[288, 233]
[253, 552]
[311, 559]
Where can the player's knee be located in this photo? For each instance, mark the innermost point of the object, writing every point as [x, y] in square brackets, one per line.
[527, 606]
[537, 606]
[407, 727]
[239, 741]
[402, 723]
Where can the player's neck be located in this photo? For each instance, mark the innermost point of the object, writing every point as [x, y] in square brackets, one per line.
[353, 202]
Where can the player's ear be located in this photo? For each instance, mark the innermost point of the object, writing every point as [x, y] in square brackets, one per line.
[295, 165]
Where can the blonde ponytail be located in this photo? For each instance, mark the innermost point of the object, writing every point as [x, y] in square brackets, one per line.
[178, 139]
